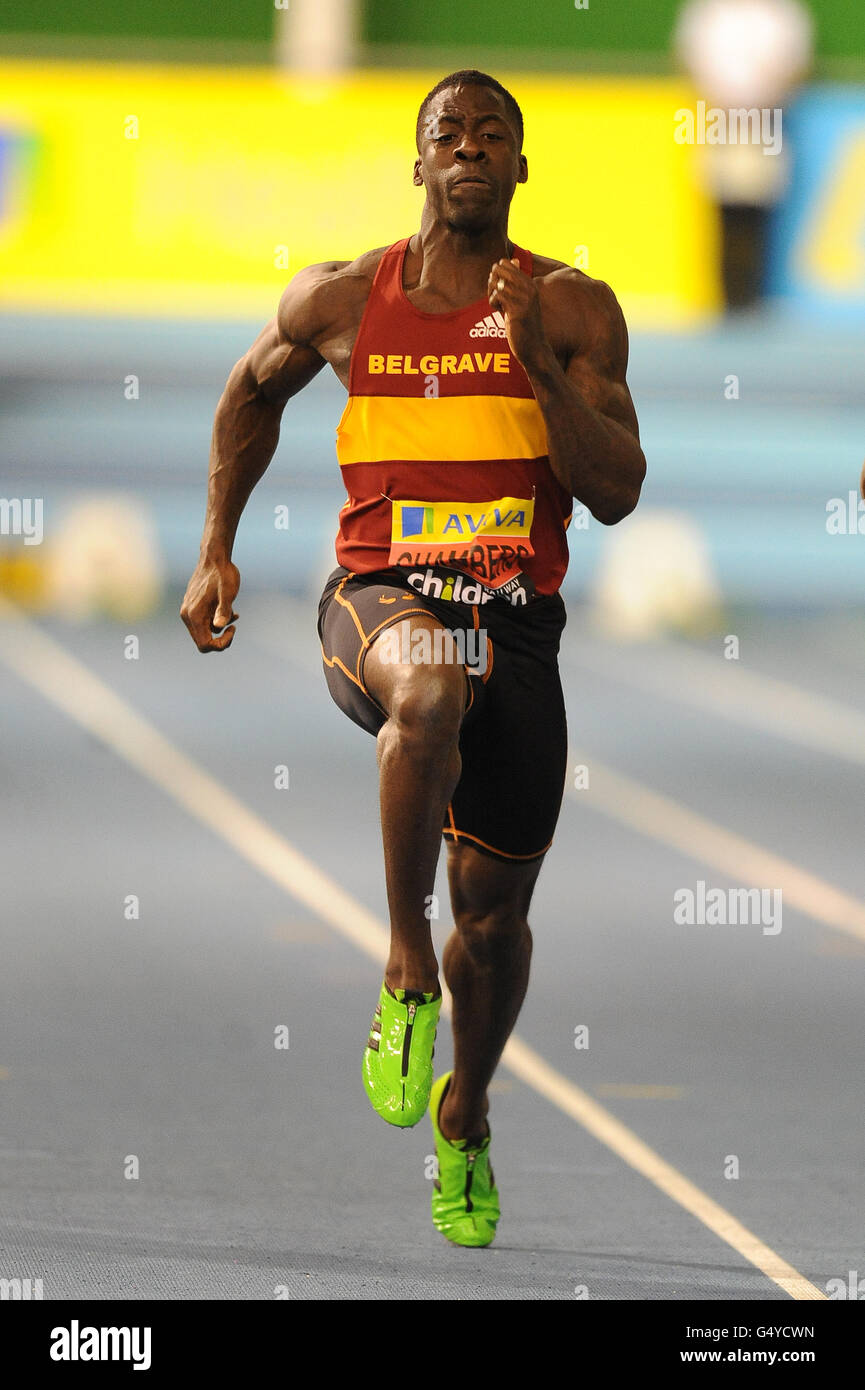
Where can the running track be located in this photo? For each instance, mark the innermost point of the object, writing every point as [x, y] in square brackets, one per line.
[262, 1168]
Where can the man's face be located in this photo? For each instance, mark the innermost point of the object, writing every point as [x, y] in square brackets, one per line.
[469, 162]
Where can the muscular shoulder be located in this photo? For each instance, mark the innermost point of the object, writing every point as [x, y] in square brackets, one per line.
[542, 266]
[582, 313]
[325, 297]
[574, 286]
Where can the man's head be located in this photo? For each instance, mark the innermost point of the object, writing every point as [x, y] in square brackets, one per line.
[469, 137]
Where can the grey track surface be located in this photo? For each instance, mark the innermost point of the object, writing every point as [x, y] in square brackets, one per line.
[154, 1037]
[261, 1168]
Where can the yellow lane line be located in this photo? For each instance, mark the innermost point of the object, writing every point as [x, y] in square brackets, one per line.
[531, 1068]
[625, 1090]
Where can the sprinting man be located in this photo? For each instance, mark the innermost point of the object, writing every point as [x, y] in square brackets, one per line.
[486, 390]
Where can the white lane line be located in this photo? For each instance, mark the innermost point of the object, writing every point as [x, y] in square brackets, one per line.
[660, 818]
[730, 691]
[45, 665]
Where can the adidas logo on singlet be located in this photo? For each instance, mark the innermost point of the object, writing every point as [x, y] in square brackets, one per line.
[493, 326]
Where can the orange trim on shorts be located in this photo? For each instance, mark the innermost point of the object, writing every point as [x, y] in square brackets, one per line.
[488, 672]
[347, 603]
[367, 639]
[459, 835]
[335, 661]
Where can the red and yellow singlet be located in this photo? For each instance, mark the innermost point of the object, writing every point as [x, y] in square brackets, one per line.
[443, 448]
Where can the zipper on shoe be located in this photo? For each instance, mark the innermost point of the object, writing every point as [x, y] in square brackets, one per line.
[470, 1164]
[406, 1046]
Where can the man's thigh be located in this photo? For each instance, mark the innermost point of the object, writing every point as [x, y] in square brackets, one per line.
[369, 649]
[513, 738]
[514, 759]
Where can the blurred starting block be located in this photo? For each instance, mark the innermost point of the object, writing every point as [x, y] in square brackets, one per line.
[656, 577]
[101, 558]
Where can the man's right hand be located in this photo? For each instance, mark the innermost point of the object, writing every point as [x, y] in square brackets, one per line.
[208, 604]
[280, 363]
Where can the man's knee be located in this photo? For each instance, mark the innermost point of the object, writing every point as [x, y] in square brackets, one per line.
[425, 704]
[495, 938]
[484, 887]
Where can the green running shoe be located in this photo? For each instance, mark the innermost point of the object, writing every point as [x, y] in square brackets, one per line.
[397, 1060]
[465, 1199]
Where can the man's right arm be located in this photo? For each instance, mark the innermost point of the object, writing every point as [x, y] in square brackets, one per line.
[280, 363]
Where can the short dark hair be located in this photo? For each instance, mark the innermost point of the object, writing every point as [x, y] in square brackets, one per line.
[470, 77]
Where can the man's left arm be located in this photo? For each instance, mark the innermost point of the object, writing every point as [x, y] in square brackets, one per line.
[592, 432]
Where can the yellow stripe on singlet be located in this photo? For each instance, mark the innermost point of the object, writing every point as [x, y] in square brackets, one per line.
[459, 429]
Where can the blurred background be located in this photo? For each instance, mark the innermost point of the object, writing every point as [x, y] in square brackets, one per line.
[167, 902]
[166, 168]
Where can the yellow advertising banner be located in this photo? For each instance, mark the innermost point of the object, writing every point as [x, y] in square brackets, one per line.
[136, 189]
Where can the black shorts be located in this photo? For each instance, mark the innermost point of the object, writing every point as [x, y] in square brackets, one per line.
[513, 739]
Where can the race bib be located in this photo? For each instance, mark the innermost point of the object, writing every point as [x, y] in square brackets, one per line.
[491, 539]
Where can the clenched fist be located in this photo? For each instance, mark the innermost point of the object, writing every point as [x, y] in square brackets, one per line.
[515, 295]
[208, 604]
